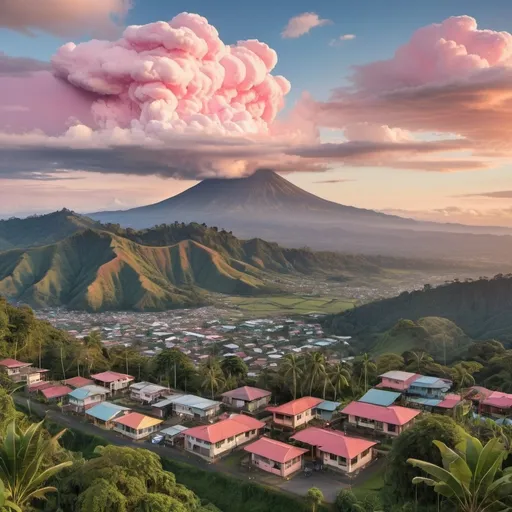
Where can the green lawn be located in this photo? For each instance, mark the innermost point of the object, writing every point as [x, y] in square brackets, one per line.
[291, 304]
[371, 486]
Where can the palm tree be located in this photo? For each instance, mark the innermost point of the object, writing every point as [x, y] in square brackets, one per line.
[213, 378]
[420, 359]
[471, 476]
[368, 366]
[22, 455]
[339, 378]
[316, 369]
[462, 376]
[292, 368]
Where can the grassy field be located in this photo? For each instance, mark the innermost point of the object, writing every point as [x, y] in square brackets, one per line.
[371, 486]
[290, 304]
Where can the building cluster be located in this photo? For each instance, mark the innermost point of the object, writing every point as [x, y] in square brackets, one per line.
[245, 416]
[260, 342]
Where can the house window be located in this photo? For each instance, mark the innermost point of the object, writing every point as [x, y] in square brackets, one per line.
[333, 457]
[342, 461]
[365, 453]
[230, 439]
[299, 416]
[391, 428]
[353, 461]
[253, 432]
[219, 444]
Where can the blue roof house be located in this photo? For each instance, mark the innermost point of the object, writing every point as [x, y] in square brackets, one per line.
[430, 387]
[380, 397]
[104, 413]
[326, 410]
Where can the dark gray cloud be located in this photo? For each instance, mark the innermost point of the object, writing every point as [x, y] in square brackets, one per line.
[497, 194]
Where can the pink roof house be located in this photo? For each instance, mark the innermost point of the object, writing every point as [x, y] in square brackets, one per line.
[17, 371]
[78, 382]
[295, 413]
[213, 441]
[389, 420]
[275, 457]
[247, 398]
[113, 380]
[397, 380]
[497, 404]
[336, 449]
[54, 393]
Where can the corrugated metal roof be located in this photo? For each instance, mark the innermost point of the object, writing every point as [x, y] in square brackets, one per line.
[428, 402]
[105, 411]
[431, 382]
[82, 393]
[398, 375]
[380, 397]
[197, 402]
[327, 405]
[174, 431]
[166, 402]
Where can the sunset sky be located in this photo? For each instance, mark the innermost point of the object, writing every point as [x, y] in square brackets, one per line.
[424, 131]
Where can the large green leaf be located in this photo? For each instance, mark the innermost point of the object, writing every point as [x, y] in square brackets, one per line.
[472, 448]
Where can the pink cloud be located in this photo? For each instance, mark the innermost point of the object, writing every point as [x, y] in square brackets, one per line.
[450, 78]
[302, 24]
[376, 133]
[63, 17]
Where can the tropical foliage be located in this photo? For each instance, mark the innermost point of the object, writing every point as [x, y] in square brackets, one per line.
[471, 475]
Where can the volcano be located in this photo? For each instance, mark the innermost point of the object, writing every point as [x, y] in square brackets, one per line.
[266, 205]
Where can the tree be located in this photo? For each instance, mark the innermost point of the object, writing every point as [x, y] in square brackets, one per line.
[368, 366]
[463, 374]
[314, 498]
[212, 376]
[339, 378]
[292, 368]
[235, 367]
[484, 351]
[416, 442]
[315, 367]
[417, 360]
[470, 476]
[388, 362]
[177, 369]
[22, 456]
[346, 501]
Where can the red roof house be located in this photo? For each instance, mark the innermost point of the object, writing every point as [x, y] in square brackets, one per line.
[388, 420]
[295, 413]
[55, 392]
[275, 457]
[78, 382]
[336, 449]
[247, 397]
[450, 401]
[13, 363]
[18, 371]
[497, 404]
[212, 441]
[113, 380]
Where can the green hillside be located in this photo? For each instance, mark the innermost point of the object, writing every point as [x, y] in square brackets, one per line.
[41, 229]
[96, 270]
[481, 308]
[434, 335]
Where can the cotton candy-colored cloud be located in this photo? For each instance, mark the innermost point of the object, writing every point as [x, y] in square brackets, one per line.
[13, 66]
[339, 40]
[450, 78]
[63, 17]
[376, 133]
[302, 24]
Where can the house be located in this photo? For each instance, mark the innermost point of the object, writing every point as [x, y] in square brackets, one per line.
[496, 405]
[104, 413]
[247, 398]
[55, 393]
[437, 405]
[380, 397]
[326, 410]
[390, 420]
[173, 435]
[276, 457]
[81, 399]
[148, 393]
[18, 371]
[295, 413]
[397, 380]
[114, 381]
[136, 426]
[215, 440]
[429, 387]
[163, 408]
[195, 407]
[78, 382]
[337, 450]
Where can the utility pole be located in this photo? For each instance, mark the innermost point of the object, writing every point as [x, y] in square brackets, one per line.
[175, 387]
